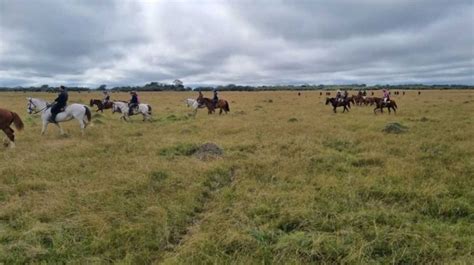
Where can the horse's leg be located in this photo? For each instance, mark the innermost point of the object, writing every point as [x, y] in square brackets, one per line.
[375, 110]
[45, 126]
[83, 126]
[61, 131]
[220, 111]
[11, 136]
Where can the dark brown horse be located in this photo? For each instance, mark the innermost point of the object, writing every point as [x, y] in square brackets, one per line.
[221, 104]
[380, 104]
[100, 105]
[6, 119]
[336, 103]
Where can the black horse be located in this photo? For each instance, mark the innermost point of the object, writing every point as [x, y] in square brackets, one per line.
[344, 103]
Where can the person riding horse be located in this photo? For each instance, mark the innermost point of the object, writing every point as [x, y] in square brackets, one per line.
[339, 96]
[386, 96]
[61, 102]
[106, 98]
[215, 99]
[133, 102]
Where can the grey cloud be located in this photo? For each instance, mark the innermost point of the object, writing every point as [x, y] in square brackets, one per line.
[246, 42]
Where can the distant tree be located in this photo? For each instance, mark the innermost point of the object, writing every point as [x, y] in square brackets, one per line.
[102, 87]
[178, 83]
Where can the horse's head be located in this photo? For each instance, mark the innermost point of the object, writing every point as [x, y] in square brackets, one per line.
[114, 106]
[91, 103]
[30, 106]
[328, 100]
[188, 102]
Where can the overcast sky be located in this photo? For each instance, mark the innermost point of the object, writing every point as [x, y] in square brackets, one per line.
[212, 42]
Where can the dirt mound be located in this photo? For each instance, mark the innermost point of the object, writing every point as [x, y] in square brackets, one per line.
[208, 151]
[395, 127]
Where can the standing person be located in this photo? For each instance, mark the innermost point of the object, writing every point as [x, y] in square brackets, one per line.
[60, 102]
[133, 102]
[215, 99]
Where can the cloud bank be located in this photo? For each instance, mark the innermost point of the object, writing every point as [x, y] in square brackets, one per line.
[213, 42]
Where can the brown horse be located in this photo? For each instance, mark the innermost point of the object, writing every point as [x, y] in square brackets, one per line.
[358, 99]
[221, 104]
[100, 105]
[336, 103]
[6, 119]
[380, 104]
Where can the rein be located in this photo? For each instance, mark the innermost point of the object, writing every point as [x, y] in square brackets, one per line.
[38, 111]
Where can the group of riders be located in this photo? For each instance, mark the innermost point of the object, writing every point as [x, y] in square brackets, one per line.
[61, 101]
[342, 96]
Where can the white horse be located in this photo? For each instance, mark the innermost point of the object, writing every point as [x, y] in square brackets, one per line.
[77, 111]
[123, 108]
[190, 102]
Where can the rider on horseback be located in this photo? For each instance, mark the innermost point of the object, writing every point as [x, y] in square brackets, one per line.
[386, 96]
[133, 102]
[215, 99]
[106, 98]
[339, 95]
[61, 102]
[346, 94]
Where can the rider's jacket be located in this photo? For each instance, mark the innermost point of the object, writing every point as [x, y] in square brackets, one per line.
[62, 98]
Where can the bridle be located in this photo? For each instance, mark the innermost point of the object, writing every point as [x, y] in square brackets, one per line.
[30, 109]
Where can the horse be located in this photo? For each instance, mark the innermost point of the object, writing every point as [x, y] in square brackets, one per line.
[358, 99]
[6, 119]
[76, 111]
[122, 107]
[380, 104]
[100, 105]
[190, 102]
[221, 104]
[336, 103]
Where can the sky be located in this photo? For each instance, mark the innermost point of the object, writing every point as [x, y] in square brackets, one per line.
[213, 42]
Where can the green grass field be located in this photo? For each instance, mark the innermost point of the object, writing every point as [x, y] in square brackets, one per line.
[296, 184]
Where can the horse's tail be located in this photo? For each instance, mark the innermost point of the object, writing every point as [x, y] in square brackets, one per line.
[88, 114]
[226, 107]
[17, 121]
[395, 104]
[149, 109]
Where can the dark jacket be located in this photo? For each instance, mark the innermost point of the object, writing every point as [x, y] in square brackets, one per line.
[62, 98]
[134, 99]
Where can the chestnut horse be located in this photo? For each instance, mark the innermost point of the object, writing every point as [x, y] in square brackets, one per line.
[6, 119]
[380, 104]
[221, 104]
[344, 103]
[100, 105]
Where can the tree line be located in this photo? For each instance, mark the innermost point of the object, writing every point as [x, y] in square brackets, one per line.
[178, 86]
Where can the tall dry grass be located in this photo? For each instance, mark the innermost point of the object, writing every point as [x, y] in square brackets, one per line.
[297, 184]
